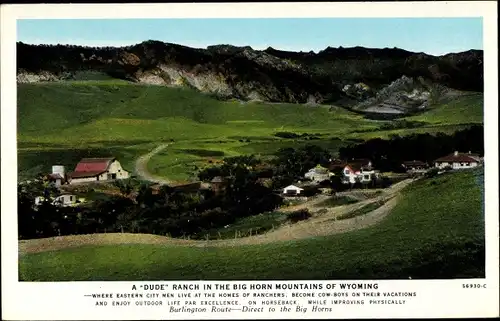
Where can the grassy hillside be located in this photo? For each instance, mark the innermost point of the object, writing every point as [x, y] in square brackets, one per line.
[62, 122]
[76, 110]
[442, 237]
[468, 108]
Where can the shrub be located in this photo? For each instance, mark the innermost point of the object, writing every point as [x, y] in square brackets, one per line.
[310, 191]
[299, 215]
[432, 172]
[286, 135]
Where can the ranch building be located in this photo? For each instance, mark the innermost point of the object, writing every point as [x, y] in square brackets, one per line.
[97, 169]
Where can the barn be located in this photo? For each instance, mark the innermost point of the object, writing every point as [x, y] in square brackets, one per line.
[97, 169]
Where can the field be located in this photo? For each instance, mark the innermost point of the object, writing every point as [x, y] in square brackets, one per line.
[442, 237]
[59, 123]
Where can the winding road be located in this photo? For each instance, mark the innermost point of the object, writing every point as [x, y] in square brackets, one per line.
[141, 166]
[320, 224]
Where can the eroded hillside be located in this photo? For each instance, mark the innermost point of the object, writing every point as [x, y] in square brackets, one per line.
[370, 80]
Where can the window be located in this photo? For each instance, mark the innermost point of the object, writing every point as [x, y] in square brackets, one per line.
[346, 172]
[367, 176]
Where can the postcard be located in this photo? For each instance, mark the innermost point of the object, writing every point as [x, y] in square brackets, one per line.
[249, 161]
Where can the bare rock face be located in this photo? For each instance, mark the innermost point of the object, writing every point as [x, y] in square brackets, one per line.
[404, 95]
[128, 59]
[355, 78]
[151, 79]
[31, 77]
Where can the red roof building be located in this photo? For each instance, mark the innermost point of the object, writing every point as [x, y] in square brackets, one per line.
[93, 165]
[96, 169]
[459, 157]
[458, 160]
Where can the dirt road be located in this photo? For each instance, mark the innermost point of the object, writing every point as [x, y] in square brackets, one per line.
[322, 224]
[141, 166]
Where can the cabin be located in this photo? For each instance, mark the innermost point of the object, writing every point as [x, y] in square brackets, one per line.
[415, 166]
[63, 200]
[458, 161]
[57, 177]
[292, 190]
[358, 171]
[96, 170]
[218, 185]
[318, 174]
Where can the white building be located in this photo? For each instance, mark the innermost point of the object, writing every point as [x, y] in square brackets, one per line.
[61, 200]
[458, 161]
[97, 169]
[318, 174]
[292, 190]
[361, 172]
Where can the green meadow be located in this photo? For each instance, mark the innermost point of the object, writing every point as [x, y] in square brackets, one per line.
[442, 237]
[59, 123]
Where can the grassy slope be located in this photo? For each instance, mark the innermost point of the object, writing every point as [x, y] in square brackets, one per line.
[442, 237]
[110, 117]
[96, 116]
[111, 112]
[456, 111]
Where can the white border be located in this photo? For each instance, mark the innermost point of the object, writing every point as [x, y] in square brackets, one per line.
[40, 300]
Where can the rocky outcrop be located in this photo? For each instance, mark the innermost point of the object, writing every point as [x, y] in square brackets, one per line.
[359, 78]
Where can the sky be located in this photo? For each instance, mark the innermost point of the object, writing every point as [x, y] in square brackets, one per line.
[435, 36]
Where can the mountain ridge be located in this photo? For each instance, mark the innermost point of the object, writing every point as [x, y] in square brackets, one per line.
[349, 77]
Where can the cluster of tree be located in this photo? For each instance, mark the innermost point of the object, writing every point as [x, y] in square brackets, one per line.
[140, 209]
[290, 164]
[402, 123]
[388, 155]
[294, 135]
[62, 58]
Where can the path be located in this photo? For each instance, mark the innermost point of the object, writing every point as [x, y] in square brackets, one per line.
[318, 225]
[141, 166]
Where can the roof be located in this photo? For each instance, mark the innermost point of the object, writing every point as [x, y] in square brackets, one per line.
[93, 165]
[460, 157]
[356, 166]
[55, 176]
[293, 187]
[318, 170]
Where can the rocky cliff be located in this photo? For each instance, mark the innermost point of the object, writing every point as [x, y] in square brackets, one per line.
[357, 78]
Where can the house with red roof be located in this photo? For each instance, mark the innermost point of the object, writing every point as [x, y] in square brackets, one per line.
[353, 171]
[57, 177]
[459, 161]
[97, 169]
[358, 171]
